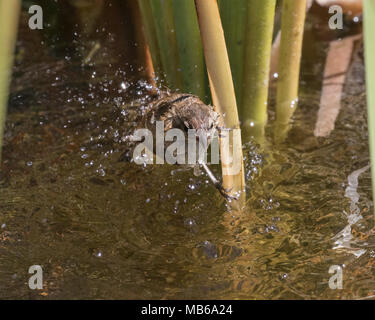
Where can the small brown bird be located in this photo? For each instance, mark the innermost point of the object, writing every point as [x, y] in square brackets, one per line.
[182, 111]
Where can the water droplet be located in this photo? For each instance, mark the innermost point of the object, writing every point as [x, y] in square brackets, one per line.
[99, 254]
[189, 222]
[101, 172]
[123, 85]
[192, 186]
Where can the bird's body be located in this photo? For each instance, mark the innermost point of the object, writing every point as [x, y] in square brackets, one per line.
[177, 111]
[184, 112]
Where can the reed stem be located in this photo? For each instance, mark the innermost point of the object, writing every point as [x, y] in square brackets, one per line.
[259, 30]
[150, 34]
[162, 12]
[233, 17]
[189, 47]
[369, 27]
[292, 28]
[222, 89]
[9, 15]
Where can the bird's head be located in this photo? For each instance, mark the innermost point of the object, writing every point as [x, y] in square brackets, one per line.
[202, 118]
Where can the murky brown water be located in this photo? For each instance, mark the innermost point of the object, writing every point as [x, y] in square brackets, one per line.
[107, 229]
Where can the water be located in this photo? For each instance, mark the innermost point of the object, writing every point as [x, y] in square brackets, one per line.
[105, 229]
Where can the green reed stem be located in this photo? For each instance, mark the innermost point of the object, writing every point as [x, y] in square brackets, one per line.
[292, 27]
[233, 17]
[150, 33]
[9, 15]
[259, 30]
[189, 47]
[162, 11]
[369, 27]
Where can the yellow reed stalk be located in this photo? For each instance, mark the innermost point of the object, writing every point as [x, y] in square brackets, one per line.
[9, 14]
[222, 89]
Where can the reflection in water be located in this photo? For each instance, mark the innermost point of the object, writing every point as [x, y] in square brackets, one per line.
[344, 237]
